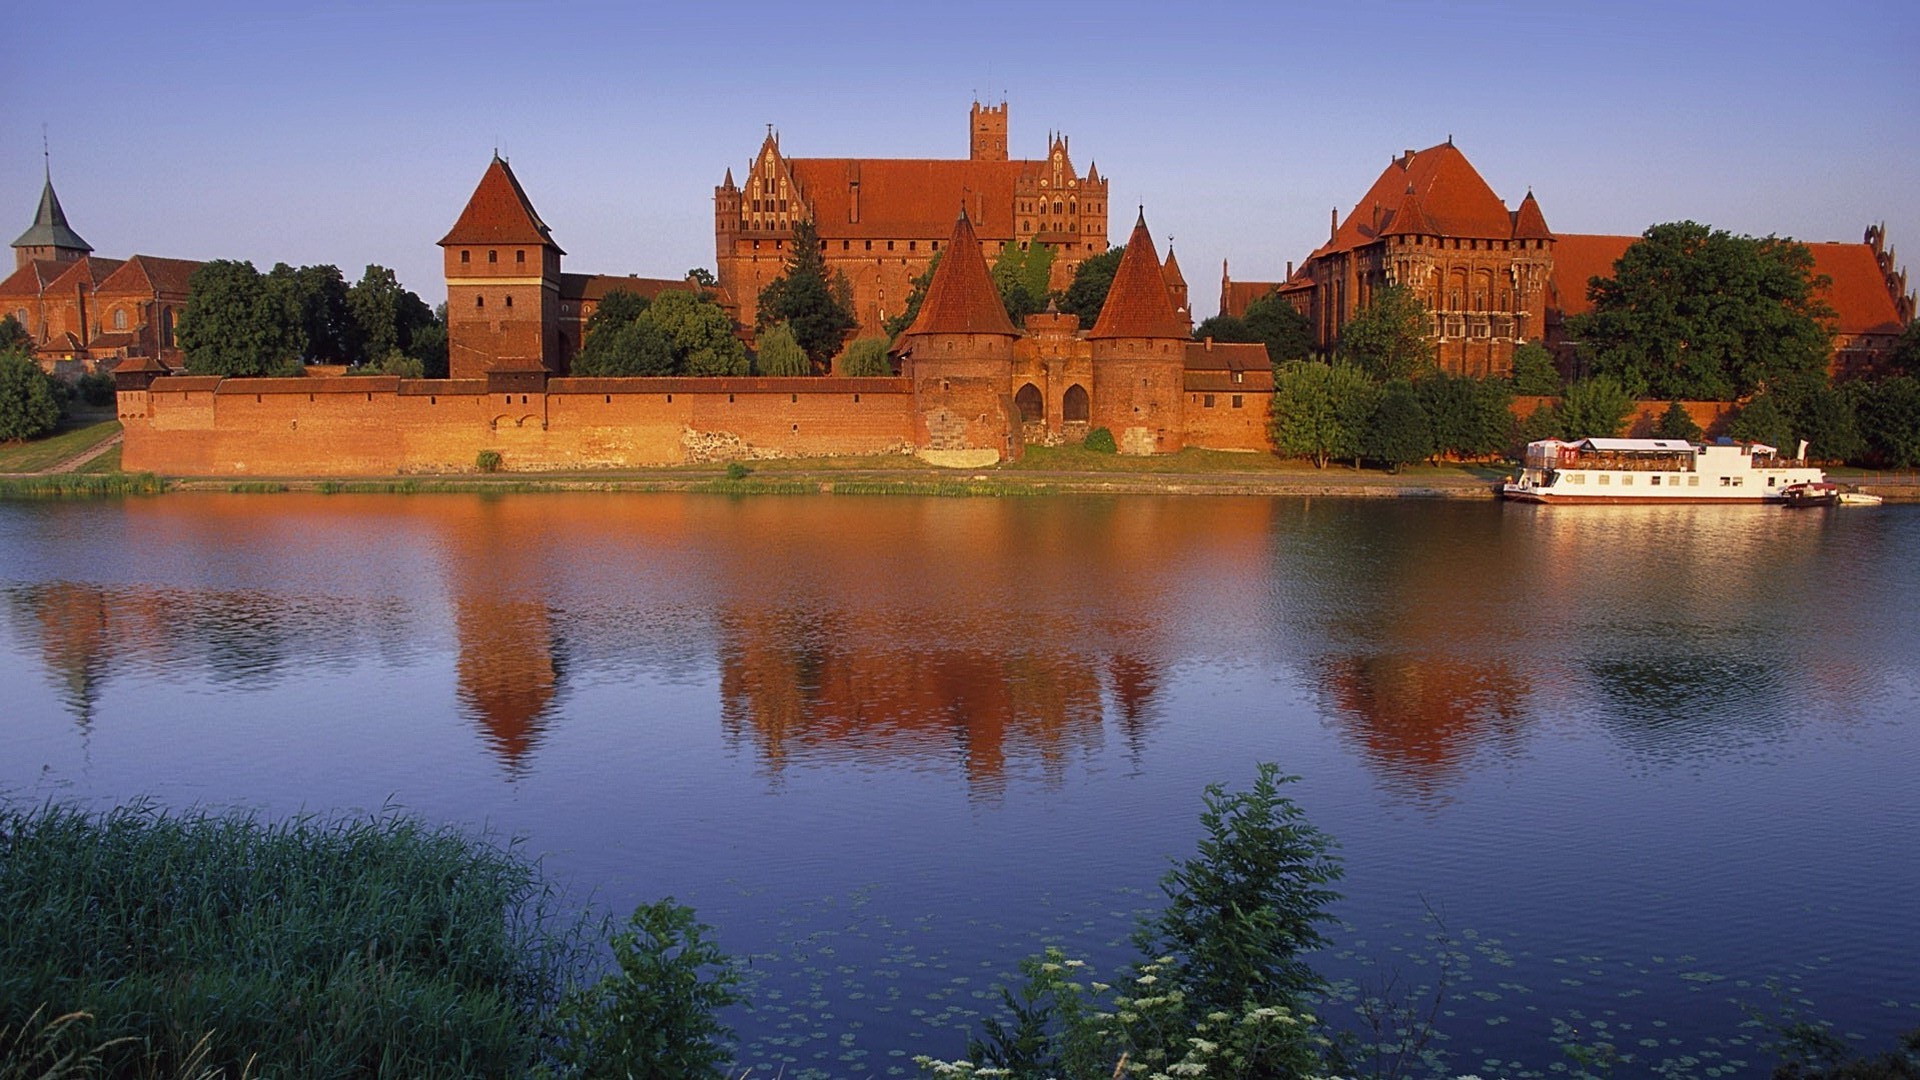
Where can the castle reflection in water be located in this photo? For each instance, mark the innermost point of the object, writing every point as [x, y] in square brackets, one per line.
[991, 635]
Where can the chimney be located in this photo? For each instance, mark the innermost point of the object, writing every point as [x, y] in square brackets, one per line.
[1289, 269]
[1209, 341]
[1333, 224]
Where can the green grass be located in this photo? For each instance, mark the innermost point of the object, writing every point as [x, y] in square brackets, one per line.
[308, 948]
[83, 484]
[45, 453]
[108, 462]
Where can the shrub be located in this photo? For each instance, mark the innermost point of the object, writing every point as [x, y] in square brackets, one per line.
[653, 1019]
[488, 461]
[780, 353]
[1100, 441]
[95, 389]
[737, 471]
[866, 357]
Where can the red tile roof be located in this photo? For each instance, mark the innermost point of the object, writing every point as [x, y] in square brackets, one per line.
[150, 275]
[1228, 356]
[31, 279]
[961, 298]
[1529, 223]
[89, 269]
[1858, 295]
[1237, 295]
[597, 286]
[499, 213]
[1408, 219]
[1170, 271]
[1455, 200]
[1138, 304]
[1578, 257]
[910, 197]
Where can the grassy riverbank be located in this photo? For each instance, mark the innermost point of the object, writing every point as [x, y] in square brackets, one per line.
[69, 443]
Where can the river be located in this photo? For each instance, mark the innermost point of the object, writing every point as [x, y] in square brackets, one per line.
[1645, 769]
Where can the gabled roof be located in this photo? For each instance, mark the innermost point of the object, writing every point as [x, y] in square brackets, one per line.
[1576, 258]
[1528, 222]
[1408, 219]
[909, 197]
[499, 213]
[88, 270]
[31, 279]
[1237, 296]
[1138, 304]
[596, 286]
[150, 275]
[49, 228]
[1859, 296]
[1452, 196]
[961, 298]
[1228, 356]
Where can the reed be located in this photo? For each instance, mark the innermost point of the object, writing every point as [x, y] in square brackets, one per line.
[196, 942]
[80, 485]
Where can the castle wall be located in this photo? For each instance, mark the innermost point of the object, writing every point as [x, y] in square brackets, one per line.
[372, 426]
[1229, 420]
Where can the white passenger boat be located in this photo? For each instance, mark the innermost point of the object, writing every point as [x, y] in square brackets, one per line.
[1656, 471]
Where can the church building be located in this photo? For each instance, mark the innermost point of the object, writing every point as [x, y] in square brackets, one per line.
[881, 220]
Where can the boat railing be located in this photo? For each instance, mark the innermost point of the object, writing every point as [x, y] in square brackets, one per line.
[1625, 462]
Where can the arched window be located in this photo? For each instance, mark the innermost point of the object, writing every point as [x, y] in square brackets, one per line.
[1032, 406]
[1073, 407]
[119, 318]
[479, 301]
[509, 301]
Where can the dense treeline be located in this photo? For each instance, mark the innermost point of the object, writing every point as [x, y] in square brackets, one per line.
[238, 321]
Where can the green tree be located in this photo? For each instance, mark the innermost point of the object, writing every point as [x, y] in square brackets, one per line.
[866, 357]
[234, 325]
[1542, 423]
[1677, 423]
[28, 406]
[656, 1018]
[385, 315]
[317, 298]
[430, 346]
[700, 332]
[1829, 420]
[1696, 313]
[1534, 372]
[1595, 408]
[703, 277]
[1287, 333]
[1399, 433]
[1890, 416]
[1763, 420]
[1320, 411]
[1021, 278]
[817, 309]
[1390, 338]
[898, 323]
[14, 337]
[638, 348]
[1229, 328]
[1087, 293]
[780, 353]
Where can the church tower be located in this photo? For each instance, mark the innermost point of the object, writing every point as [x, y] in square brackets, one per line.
[503, 284]
[1139, 355]
[50, 238]
[987, 132]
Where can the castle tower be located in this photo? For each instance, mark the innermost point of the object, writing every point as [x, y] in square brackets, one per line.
[959, 354]
[50, 238]
[1139, 355]
[503, 284]
[1177, 287]
[987, 133]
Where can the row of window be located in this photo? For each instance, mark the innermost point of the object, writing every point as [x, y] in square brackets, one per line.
[493, 255]
[1455, 243]
[1206, 401]
[1606, 480]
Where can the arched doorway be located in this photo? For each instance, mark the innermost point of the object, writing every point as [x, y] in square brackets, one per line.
[1032, 407]
[1073, 407]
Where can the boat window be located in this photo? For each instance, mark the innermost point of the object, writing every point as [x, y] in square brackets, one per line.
[1770, 481]
[1654, 480]
[1604, 478]
[1737, 480]
[1627, 480]
[1693, 481]
[1579, 478]
[1726, 481]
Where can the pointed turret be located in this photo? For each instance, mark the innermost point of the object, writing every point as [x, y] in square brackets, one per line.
[50, 237]
[1137, 304]
[961, 298]
[728, 182]
[499, 213]
[1410, 219]
[1176, 285]
[1528, 222]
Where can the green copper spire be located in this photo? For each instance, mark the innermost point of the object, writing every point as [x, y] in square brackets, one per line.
[50, 228]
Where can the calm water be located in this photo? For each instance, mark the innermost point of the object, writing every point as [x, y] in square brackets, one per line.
[1648, 765]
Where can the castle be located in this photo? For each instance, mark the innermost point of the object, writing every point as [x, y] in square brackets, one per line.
[973, 389]
[1493, 279]
[881, 220]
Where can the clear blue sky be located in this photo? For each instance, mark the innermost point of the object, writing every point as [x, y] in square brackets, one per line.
[353, 133]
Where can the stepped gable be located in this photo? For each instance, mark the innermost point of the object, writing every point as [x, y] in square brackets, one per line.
[50, 228]
[1528, 222]
[961, 298]
[908, 197]
[1451, 193]
[499, 213]
[1137, 304]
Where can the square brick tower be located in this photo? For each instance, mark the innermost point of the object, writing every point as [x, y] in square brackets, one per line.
[503, 283]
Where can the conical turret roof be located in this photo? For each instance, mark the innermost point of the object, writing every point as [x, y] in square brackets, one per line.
[50, 228]
[1528, 222]
[961, 298]
[499, 213]
[1170, 271]
[1138, 304]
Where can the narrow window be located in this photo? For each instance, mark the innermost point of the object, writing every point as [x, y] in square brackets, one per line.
[509, 301]
[493, 256]
[1238, 401]
[479, 301]
[520, 255]
[1207, 401]
[465, 255]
